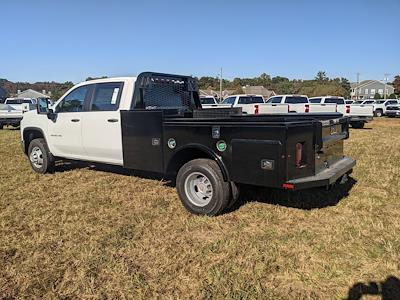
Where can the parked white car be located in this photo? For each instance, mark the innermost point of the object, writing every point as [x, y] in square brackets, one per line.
[253, 104]
[359, 113]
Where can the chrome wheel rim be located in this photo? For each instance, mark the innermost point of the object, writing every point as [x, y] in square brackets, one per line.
[36, 157]
[198, 189]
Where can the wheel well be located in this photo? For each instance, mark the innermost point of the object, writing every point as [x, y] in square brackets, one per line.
[185, 155]
[29, 135]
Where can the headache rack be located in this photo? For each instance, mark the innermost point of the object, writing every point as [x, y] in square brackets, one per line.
[155, 91]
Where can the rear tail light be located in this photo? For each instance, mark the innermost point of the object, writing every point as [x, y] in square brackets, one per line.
[347, 109]
[299, 155]
[256, 111]
[288, 186]
[307, 108]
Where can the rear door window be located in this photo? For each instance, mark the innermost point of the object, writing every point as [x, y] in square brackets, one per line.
[296, 100]
[250, 100]
[106, 96]
[275, 100]
[334, 100]
[229, 100]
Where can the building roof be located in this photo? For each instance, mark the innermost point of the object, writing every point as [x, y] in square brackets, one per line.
[258, 90]
[29, 93]
[368, 82]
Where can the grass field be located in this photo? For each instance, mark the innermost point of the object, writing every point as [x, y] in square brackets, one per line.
[86, 232]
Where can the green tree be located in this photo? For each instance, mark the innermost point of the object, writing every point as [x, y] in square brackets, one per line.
[377, 96]
[392, 96]
[321, 76]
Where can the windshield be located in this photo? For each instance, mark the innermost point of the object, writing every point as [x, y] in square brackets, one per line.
[207, 100]
[250, 99]
[369, 102]
[315, 100]
[296, 99]
[334, 100]
[358, 102]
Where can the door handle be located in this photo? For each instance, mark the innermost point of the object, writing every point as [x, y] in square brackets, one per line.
[112, 120]
[75, 120]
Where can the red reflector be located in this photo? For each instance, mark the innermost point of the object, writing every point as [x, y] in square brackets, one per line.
[307, 108]
[288, 186]
[256, 111]
[347, 109]
[299, 154]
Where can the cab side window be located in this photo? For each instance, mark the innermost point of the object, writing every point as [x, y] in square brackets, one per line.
[74, 101]
[106, 96]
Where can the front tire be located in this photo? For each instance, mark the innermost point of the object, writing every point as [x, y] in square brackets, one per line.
[201, 187]
[40, 158]
[378, 113]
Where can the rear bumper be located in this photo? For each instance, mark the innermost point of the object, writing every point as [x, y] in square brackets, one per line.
[10, 120]
[361, 118]
[393, 113]
[325, 177]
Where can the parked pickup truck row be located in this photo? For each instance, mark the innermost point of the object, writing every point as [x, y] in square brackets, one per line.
[155, 123]
[255, 104]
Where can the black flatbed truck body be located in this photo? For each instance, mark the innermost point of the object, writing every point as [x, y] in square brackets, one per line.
[249, 141]
[259, 150]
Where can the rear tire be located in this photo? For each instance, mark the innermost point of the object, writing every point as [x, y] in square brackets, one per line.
[201, 187]
[40, 158]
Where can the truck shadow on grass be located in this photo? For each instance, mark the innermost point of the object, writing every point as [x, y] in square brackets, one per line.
[389, 289]
[303, 199]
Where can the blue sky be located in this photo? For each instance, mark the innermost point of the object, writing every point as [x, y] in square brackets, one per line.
[71, 40]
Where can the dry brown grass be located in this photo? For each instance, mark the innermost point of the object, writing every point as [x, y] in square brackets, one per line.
[85, 232]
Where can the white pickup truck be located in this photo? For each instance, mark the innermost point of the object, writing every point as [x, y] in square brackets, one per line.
[208, 101]
[359, 114]
[9, 116]
[300, 104]
[155, 123]
[380, 106]
[253, 104]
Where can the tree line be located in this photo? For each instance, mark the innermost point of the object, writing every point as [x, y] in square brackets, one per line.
[320, 85]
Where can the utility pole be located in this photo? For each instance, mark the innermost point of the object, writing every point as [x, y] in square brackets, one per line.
[385, 80]
[358, 82]
[220, 85]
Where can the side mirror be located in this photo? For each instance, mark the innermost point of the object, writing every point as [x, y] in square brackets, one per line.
[42, 106]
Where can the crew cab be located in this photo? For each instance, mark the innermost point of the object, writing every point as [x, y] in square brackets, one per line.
[253, 104]
[359, 114]
[155, 123]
